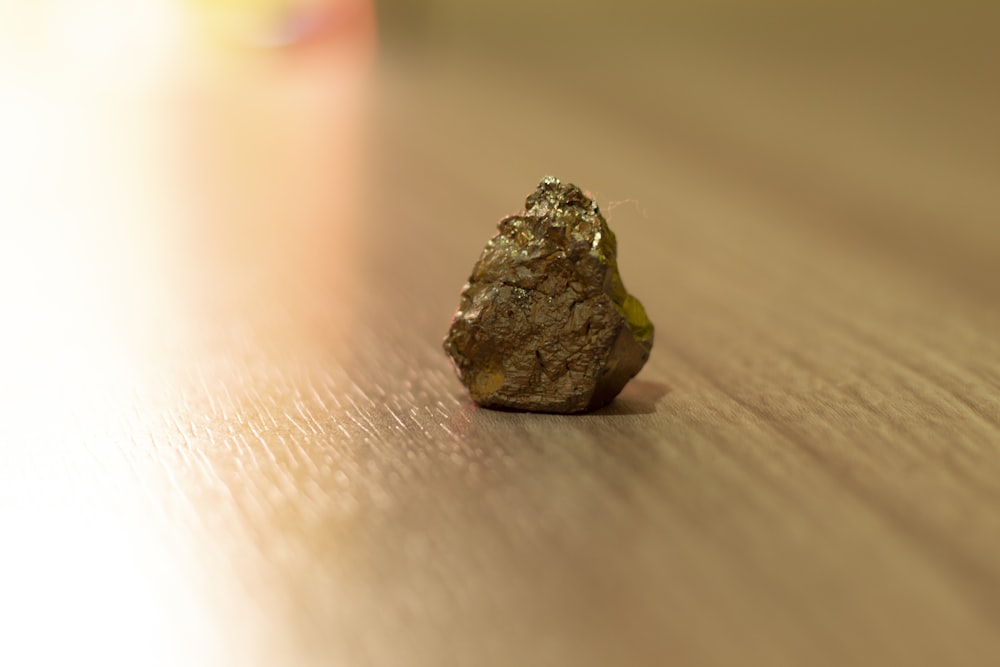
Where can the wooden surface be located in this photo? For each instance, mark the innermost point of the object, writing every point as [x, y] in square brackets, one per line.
[231, 436]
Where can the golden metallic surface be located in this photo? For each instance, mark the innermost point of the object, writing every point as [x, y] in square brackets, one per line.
[228, 435]
[544, 323]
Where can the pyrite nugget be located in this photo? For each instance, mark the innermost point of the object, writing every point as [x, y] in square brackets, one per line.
[544, 323]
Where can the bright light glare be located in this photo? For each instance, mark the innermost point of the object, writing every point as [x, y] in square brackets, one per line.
[79, 584]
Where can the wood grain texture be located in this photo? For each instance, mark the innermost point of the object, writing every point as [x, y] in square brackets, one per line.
[269, 460]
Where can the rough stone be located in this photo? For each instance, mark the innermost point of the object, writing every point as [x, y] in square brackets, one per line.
[544, 323]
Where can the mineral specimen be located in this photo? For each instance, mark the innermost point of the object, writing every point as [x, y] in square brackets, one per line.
[544, 323]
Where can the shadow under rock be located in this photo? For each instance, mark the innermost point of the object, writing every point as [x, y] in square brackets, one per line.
[639, 397]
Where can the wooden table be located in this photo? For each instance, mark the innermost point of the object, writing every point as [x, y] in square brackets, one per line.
[231, 436]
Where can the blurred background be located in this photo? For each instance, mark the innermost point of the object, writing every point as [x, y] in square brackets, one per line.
[232, 233]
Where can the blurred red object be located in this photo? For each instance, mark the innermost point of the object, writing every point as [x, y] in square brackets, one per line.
[283, 23]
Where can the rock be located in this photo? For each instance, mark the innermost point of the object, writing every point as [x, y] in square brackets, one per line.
[544, 323]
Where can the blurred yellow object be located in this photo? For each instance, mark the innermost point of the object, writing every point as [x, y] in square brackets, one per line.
[271, 23]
